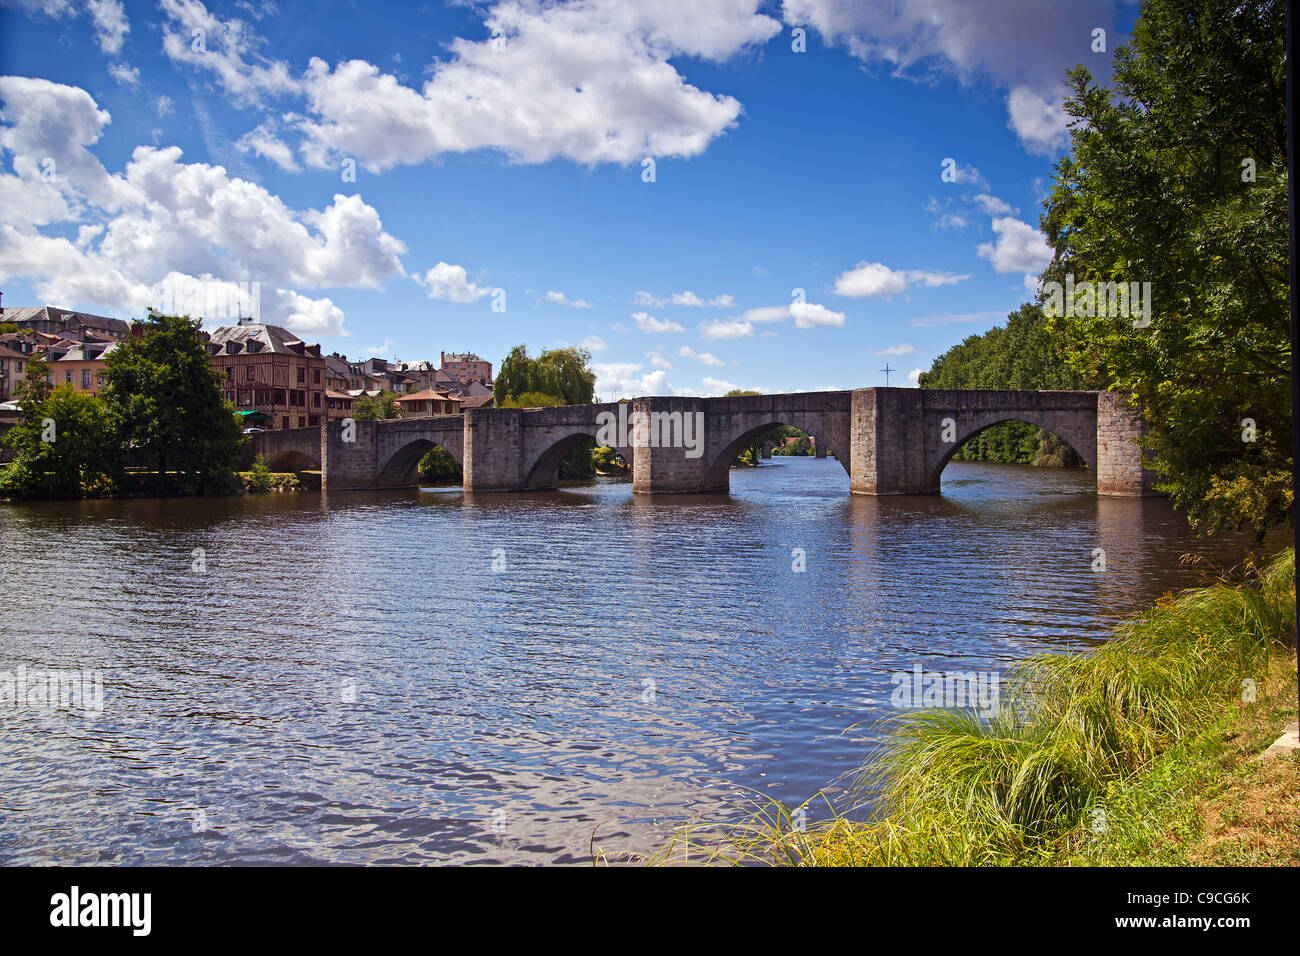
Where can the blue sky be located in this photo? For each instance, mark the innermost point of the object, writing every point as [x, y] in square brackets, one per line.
[153, 151]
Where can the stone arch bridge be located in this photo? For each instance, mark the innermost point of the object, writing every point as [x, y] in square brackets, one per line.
[891, 441]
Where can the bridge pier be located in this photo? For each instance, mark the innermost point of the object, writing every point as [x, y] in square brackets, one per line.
[494, 449]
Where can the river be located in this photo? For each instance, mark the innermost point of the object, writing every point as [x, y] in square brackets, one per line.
[424, 677]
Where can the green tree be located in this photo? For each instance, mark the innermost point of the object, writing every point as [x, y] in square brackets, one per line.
[1178, 178]
[63, 442]
[564, 373]
[1021, 354]
[439, 467]
[366, 408]
[165, 400]
[533, 400]
[555, 377]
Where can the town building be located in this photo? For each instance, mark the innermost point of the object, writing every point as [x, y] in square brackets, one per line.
[82, 365]
[466, 367]
[16, 350]
[274, 379]
[428, 402]
[66, 324]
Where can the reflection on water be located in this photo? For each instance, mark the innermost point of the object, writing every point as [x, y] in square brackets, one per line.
[428, 677]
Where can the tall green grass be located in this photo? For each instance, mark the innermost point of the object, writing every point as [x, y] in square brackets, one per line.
[956, 788]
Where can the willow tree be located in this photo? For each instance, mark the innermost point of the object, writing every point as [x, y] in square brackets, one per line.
[1178, 178]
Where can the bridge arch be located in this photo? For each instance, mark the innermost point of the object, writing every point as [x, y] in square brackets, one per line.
[542, 473]
[719, 472]
[1078, 434]
[402, 467]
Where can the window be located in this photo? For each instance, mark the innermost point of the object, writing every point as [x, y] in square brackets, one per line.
[99, 380]
[315, 399]
[85, 378]
[286, 422]
[314, 421]
[302, 422]
[249, 374]
[315, 376]
[302, 374]
[67, 376]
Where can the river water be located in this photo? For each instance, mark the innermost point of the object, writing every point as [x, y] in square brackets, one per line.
[422, 677]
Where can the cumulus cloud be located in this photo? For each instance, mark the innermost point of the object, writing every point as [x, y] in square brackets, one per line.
[111, 26]
[587, 81]
[1040, 122]
[559, 298]
[593, 343]
[648, 323]
[873, 279]
[163, 217]
[992, 205]
[808, 315]
[687, 298]
[228, 49]
[726, 329]
[263, 141]
[704, 358]
[451, 284]
[615, 380]
[1019, 247]
[124, 74]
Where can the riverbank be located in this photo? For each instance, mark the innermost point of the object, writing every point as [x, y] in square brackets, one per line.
[1140, 752]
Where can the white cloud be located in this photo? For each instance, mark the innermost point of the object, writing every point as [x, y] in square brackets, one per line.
[559, 298]
[914, 376]
[111, 26]
[451, 284]
[615, 380]
[871, 279]
[992, 205]
[807, 315]
[704, 358]
[658, 361]
[227, 49]
[593, 343]
[124, 74]
[162, 217]
[900, 349]
[767, 313]
[586, 81]
[1041, 123]
[648, 323]
[1019, 247]
[381, 349]
[264, 142]
[726, 329]
[717, 386]
[687, 298]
